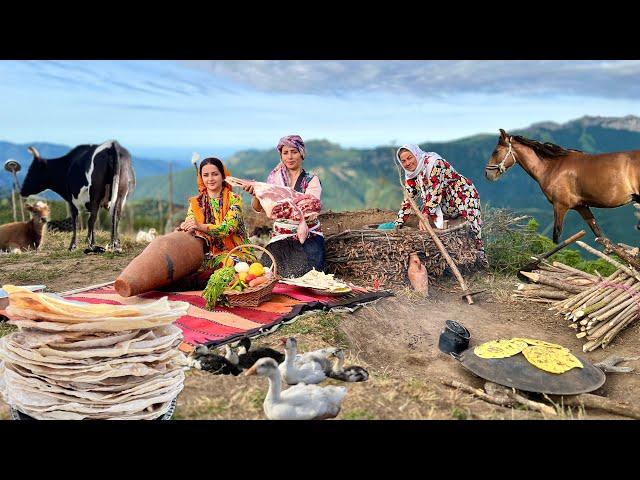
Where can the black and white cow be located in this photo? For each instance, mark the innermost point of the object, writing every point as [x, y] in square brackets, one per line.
[89, 175]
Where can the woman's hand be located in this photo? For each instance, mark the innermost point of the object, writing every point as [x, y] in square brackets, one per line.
[249, 189]
[422, 226]
[190, 225]
[196, 227]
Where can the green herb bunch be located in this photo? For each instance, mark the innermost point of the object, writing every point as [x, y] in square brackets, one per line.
[216, 285]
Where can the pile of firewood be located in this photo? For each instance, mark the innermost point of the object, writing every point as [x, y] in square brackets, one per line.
[554, 281]
[382, 255]
[598, 308]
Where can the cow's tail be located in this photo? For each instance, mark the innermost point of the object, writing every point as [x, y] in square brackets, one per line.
[124, 180]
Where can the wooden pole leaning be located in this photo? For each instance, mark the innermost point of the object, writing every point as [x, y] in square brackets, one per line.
[436, 240]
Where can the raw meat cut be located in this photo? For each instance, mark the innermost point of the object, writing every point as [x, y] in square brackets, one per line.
[283, 203]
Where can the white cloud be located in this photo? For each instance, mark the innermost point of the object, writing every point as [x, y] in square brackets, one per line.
[434, 78]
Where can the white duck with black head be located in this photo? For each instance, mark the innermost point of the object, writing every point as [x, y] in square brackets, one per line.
[300, 402]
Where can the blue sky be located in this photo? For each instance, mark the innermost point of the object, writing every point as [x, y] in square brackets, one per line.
[169, 108]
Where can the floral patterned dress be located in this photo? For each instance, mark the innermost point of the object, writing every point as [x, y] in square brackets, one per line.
[455, 194]
[232, 225]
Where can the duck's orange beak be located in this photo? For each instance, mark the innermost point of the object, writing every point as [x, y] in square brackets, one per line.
[251, 371]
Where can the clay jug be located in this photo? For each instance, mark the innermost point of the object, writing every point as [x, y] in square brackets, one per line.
[166, 259]
[417, 274]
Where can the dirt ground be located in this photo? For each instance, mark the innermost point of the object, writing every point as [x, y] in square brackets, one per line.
[395, 339]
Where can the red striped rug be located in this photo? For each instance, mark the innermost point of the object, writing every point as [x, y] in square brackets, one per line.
[224, 324]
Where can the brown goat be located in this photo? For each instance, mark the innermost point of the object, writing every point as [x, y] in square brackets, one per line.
[25, 235]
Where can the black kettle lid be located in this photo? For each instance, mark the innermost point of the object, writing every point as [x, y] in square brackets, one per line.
[457, 328]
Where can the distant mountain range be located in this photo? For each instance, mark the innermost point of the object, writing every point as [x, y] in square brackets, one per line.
[365, 178]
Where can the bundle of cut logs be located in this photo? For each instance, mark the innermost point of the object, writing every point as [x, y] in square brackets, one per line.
[597, 307]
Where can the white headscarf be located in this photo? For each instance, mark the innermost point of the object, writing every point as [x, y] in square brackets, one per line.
[421, 157]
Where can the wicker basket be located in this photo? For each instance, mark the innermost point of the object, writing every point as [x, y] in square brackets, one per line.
[252, 296]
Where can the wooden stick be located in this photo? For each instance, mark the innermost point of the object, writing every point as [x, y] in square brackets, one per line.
[477, 392]
[528, 287]
[609, 293]
[547, 280]
[632, 317]
[592, 345]
[537, 300]
[84, 289]
[588, 309]
[587, 400]
[631, 272]
[545, 293]
[616, 292]
[578, 298]
[436, 240]
[583, 282]
[500, 390]
[575, 271]
[610, 247]
[549, 267]
[582, 299]
[618, 307]
[604, 327]
[500, 396]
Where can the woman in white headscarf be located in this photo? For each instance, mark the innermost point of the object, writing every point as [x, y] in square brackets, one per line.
[445, 193]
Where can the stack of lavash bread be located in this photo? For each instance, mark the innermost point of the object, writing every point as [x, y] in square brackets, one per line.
[73, 360]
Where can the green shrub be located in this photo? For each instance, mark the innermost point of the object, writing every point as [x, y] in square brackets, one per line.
[510, 245]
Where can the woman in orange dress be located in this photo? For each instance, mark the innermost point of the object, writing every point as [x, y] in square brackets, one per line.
[215, 217]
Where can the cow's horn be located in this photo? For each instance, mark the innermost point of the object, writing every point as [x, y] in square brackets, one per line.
[34, 152]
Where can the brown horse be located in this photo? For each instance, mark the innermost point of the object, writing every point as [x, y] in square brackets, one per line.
[570, 179]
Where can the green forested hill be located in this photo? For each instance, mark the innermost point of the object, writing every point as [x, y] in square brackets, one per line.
[363, 178]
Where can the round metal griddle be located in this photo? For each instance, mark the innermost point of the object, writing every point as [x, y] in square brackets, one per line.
[517, 372]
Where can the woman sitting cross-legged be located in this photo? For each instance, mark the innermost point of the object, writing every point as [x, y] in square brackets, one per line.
[215, 217]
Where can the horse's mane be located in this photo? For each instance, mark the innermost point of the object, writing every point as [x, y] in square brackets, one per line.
[546, 149]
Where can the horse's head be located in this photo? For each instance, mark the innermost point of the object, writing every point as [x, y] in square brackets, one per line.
[501, 159]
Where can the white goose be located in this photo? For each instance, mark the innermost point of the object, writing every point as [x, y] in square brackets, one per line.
[300, 402]
[295, 369]
[323, 356]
